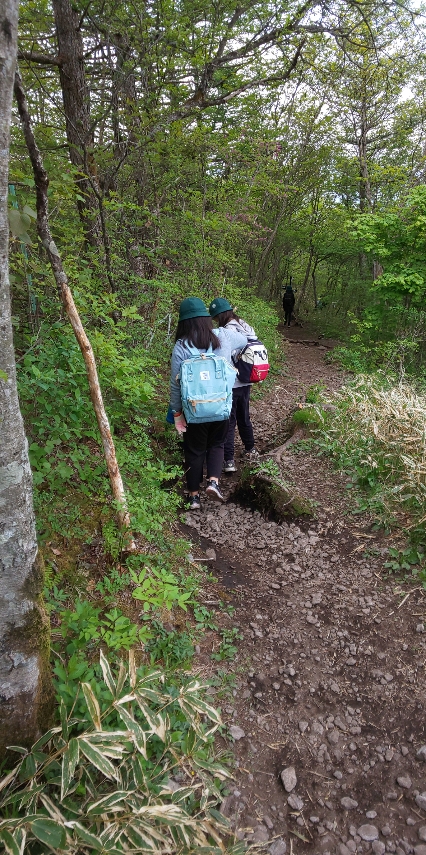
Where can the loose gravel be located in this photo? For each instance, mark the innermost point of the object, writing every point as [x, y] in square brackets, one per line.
[326, 694]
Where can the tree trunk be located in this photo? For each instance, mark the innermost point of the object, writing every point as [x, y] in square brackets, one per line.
[314, 286]
[42, 183]
[305, 281]
[365, 197]
[25, 690]
[76, 98]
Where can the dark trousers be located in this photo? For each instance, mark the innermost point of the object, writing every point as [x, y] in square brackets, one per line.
[203, 441]
[287, 316]
[240, 415]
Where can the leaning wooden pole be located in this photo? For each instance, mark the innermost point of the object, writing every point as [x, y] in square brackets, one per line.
[42, 183]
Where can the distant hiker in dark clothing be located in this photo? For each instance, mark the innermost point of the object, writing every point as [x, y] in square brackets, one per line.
[288, 304]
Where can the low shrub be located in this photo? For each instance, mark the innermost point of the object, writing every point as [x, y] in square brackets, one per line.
[134, 773]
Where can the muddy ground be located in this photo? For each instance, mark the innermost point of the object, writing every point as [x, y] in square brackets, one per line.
[328, 684]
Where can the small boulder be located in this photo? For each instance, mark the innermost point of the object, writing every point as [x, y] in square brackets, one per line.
[278, 847]
[295, 802]
[404, 781]
[261, 834]
[421, 801]
[288, 778]
[368, 832]
[236, 732]
[348, 803]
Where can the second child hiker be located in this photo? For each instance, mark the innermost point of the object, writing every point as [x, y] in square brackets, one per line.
[201, 381]
[288, 304]
[223, 313]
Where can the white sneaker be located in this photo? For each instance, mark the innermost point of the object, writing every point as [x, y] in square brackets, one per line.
[251, 455]
[213, 491]
[229, 466]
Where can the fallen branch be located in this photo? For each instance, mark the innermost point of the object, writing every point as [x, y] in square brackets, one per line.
[42, 182]
[419, 588]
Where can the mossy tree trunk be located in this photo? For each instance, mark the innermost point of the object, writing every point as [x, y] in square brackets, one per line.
[25, 688]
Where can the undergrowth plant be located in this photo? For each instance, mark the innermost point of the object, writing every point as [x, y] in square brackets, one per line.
[377, 437]
[134, 774]
[227, 648]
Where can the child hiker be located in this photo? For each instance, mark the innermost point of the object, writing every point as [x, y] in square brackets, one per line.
[203, 438]
[222, 312]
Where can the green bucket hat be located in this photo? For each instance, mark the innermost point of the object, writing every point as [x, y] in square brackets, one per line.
[192, 307]
[218, 306]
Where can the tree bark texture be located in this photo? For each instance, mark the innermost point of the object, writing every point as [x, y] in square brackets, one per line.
[302, 291]
[365, 196]
[76, 98]
[42, 183]
[25, 689]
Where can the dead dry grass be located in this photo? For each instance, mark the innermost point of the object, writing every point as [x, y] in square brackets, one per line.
[385, 427]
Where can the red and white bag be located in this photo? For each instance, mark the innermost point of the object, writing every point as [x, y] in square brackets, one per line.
[252, 362]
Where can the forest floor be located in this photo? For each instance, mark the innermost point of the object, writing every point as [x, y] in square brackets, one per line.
[329, 680]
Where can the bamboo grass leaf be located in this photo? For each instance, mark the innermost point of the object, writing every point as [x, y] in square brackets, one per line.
[69, 763]
[109, 803]
[49, 832]
[107, 674]
[92, 705]
[97, 758]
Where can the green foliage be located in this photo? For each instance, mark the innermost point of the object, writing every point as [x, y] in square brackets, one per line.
[267, 467]
[174, 648]
[352, 359]
[104, 781]
[227, 648]
[205, 618]
[315, 393]
[398, 240]
[408, 564]
[311, 416]
[84, 628]
[113, 584]
[157, 587]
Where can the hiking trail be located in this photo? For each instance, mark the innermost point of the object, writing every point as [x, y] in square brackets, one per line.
[329, 680]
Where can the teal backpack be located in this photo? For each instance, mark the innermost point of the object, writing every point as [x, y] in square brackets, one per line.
[206, 383]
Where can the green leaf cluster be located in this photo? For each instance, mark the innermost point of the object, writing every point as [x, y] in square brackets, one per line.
[139, 773]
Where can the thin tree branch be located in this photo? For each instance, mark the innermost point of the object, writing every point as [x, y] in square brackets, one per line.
[39, 58]
[42, 183]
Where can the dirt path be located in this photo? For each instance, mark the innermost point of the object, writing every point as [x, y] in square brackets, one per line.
[329, 680]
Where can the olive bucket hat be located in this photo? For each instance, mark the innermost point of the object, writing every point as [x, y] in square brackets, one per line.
[192, 307]
[218, 306]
